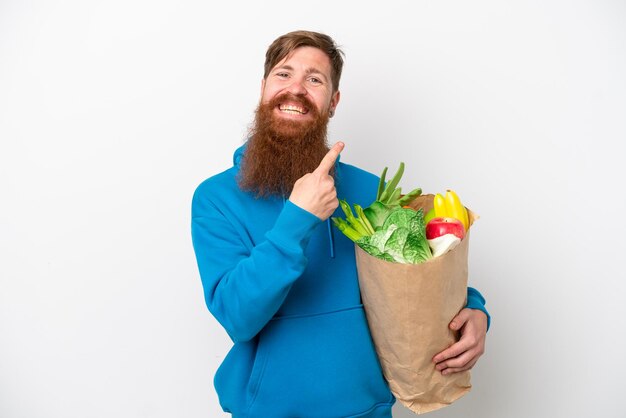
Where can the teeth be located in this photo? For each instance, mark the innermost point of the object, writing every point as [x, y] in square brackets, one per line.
[291, 109]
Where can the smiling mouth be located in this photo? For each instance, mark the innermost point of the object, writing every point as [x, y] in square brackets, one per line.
[293, 110]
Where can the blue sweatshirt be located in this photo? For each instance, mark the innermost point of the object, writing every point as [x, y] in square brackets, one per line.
[284, 286]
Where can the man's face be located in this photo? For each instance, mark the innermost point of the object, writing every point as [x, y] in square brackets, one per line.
[300, 86]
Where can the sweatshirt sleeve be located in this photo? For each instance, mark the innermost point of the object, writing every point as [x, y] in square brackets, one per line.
[476, 301]
[244, 287]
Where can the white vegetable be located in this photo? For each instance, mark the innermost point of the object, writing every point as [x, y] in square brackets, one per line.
[443, 244]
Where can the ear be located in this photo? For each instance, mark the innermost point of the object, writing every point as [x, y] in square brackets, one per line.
[334, 101]
[262, 88]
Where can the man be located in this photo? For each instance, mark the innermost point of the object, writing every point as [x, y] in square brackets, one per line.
[275, 274]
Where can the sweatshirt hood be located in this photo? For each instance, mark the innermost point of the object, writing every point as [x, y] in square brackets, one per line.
[238, 155]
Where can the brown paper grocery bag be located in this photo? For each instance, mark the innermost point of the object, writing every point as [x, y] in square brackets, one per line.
[408, 309]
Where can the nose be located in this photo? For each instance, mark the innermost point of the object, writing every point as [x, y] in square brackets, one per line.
[297, 88]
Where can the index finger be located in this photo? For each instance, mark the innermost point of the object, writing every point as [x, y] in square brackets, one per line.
[329, 159]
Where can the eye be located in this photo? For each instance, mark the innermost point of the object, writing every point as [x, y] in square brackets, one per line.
[282, 74]
[315, 80]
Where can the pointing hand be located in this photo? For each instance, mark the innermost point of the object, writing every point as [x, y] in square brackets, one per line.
[315, 192]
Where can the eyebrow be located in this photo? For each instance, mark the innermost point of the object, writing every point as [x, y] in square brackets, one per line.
[307, 72]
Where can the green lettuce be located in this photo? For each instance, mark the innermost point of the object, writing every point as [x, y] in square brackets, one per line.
[401, 239]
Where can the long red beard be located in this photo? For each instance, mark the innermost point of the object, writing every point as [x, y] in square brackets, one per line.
[280, 151]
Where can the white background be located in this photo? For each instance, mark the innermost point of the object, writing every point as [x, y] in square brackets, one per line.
[111, 113]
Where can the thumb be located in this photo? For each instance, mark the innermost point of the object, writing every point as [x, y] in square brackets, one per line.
[460, 319]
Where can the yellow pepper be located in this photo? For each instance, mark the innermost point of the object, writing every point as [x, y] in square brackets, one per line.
[441, 210]
[450, 206]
